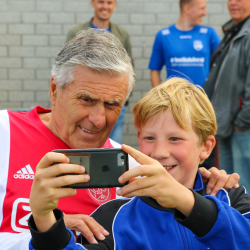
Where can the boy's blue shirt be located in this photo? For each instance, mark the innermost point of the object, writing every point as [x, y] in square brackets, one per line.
[141, 223]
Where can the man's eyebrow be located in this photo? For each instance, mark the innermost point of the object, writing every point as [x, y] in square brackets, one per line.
[116, 101]
[86, 95]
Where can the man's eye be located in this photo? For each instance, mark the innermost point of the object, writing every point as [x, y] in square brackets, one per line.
[88, 100]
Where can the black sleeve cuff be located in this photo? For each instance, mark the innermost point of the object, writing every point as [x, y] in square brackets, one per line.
[56, 238]
[202, 218]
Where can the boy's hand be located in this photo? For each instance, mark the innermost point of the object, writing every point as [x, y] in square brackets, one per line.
[156, 183]
[47, 188]
[217, 179]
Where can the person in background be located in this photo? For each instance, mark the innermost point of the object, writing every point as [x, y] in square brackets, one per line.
[103, 10]
[184, 48]
[228, 87]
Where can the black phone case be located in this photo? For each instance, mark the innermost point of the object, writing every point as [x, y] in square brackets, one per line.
[103, 167]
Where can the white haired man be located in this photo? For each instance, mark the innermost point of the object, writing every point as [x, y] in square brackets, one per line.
[103, 10]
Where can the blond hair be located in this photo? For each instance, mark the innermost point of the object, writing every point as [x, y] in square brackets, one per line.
[186, 101]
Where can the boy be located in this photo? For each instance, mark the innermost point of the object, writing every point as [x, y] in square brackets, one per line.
[176, 127]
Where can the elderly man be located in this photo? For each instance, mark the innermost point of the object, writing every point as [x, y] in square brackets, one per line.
[228, 86]
[103, 10]
[185, 47]
[91, 79]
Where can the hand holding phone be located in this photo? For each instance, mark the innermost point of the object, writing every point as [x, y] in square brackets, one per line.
[104, 166]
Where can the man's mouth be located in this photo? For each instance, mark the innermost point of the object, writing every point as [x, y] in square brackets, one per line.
[169, 167]
[87, 131]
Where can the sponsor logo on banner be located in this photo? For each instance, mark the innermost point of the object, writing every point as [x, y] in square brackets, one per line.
[198, 45]
[20, 214]
[99, 195]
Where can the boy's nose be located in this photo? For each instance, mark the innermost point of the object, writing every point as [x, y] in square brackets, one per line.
[160, 151]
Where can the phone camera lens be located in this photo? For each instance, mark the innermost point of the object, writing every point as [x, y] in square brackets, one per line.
[122, 157]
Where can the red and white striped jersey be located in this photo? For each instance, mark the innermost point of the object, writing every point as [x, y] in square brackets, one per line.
[24, 140]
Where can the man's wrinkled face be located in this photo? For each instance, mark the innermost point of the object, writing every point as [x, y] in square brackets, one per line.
[196, 11]
[85, 112]
[238, 9]
[103, 8]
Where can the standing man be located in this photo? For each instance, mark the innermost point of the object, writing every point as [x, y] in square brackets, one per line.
[228, 87]
[185, 47]
[103, 10]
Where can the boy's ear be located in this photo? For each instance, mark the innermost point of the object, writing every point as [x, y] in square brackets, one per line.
[207, 147]
[53, 90]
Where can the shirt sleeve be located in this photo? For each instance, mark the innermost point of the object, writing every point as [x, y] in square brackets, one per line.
[157, 56]
[214, 40]
[229, 213]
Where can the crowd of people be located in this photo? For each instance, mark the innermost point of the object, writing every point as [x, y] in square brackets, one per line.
[169, 202]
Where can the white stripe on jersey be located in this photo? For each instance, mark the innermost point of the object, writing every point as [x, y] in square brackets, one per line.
[4, 156]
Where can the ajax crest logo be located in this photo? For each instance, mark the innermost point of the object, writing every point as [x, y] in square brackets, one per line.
[198, 45]
[99, 195]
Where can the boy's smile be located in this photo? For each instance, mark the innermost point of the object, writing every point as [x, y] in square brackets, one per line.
[176, 149]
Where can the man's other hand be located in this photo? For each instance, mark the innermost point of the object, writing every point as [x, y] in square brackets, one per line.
[217, 179]
[86, 225]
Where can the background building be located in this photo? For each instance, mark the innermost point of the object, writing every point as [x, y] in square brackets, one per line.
[33, 31]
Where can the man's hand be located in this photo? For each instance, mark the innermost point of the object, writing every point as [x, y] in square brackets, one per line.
[217, 179]
[156, 183]
[85, 224]
[47, 188]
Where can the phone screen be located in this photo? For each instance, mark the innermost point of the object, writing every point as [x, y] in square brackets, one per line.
[82, 159]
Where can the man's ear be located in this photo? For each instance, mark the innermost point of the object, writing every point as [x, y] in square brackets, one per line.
[53, 90]
[92, 3]
[207, 147]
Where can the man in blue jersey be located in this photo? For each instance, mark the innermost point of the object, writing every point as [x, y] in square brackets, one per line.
[185, 47]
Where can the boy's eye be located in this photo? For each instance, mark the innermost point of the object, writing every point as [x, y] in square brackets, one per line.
[174, 139]
[150, 138]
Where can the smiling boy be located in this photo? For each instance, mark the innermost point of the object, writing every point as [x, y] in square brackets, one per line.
[170, 209]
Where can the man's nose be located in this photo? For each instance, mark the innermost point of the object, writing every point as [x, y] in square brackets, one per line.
[160, 151]
[97, 115]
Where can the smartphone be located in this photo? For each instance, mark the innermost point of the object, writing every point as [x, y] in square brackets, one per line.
[104, 166]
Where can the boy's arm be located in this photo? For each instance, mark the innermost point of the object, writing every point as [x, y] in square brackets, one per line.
[156, 183]
[58, 237]
[47, 189]
[215, 221]
[230, 230]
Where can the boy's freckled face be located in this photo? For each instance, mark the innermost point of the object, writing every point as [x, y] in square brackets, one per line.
[176, 149]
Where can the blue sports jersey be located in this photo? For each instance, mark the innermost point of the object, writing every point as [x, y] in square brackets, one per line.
[95, 27]
[185, 54]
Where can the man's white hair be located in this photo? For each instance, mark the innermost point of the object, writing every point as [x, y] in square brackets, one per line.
[97, 49]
